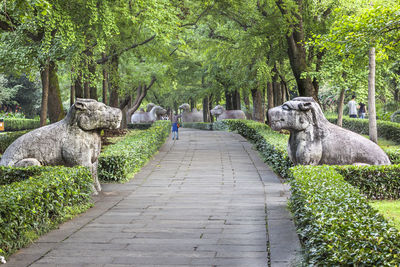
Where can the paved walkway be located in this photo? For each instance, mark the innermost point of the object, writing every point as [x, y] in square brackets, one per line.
[204, 200]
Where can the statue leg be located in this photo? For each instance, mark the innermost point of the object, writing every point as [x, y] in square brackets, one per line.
[27, 162]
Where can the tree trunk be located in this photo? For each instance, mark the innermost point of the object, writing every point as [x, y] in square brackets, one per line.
[277, 92]
[228, 100]
[72, 94]
[284, 95]
[86, 90]
[114, 82]
[373, 132]
[105, 85]
[79, 86]
[340, 108]
[44, 75]
[92, 76]
[54, 105]
[192, 103]
[246, 101]
[236, 100]
[258, 105]
[270, 95]
[206, 110]
[210, 107]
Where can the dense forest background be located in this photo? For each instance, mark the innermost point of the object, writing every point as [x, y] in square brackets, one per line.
[248, 54]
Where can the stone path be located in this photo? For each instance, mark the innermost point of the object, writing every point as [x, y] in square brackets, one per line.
[204, 200]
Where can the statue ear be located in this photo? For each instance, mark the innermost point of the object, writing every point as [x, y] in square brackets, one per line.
[305, 106]
[79, 105]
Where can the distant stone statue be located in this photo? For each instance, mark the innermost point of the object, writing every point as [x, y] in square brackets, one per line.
[315, 141]
[75, 140]
[150, 106]
[190, 116]
[148, 117]
[222, 114]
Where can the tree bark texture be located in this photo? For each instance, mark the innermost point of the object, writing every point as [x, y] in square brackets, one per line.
[340, 105]
[54, 105]
[236, 100]
[114, 82]
[79, 86]
[228, 100]
[72, 94]
[44, 75]
[270, 95]
[297, 52]
[141, 93]
[246, 101]
[258, 105]
[105, 86]
[206, 110]
[373, 131]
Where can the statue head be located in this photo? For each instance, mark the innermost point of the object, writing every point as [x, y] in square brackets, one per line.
[92, 115]
[296, 115]
[185, 107]
[217, 110]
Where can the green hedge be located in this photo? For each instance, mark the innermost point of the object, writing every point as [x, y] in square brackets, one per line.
[198, 125]
[15, 124]
[139, 126]
[119, 161]
[7, 138]
[10, 175]
[336, 224]
[375, 182]
[31, 207]
[386, 129]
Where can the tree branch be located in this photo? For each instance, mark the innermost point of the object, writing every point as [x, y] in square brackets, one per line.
[106, 58]
[241, 24]
[141, 94]
[199, 17]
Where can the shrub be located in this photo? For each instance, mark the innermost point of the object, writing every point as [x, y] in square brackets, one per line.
[375, 182]
[7, 138]
[31, 207]
[386, 129]
[139, 126]
[336, 224]
[10, 175]
[19, 124]
[124, 158]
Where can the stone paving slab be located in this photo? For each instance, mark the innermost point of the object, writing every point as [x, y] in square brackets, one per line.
[204, 200]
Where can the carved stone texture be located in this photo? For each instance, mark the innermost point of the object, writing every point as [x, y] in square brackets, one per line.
[190, 116]
[148, 117]
[75, 140]
[315, 141]
[222, 114]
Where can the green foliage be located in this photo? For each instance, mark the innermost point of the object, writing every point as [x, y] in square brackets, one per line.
[139, 126]
[7, 138]
[386, 129]
[31, 207]
[336, 224]
[375, 182]
[118, 162]
[10, 175]
[16, 124]
[389, 209]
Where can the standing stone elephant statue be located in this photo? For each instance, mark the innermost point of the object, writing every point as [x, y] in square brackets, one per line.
[75, 140]
[190, 116]
[222, 114]
[315, 141]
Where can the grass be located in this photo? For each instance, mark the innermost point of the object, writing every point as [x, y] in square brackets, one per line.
[390, 209]
[384, 143]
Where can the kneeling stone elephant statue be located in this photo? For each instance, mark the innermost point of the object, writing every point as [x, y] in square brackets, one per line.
[75, 140]
[315, 141]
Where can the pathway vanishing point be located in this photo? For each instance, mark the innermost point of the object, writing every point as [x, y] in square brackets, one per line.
[204, 200]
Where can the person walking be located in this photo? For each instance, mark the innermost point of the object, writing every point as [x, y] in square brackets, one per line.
[362, 110]
[352, 107]
[175, 122]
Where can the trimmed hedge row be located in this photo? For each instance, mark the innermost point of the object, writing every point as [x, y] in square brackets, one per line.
[17, 124]
[16, 174]
[336, 224]
[139, 126]
[375, 182]
[31, 207]
[7, 138]
[119, 161]
[386, 129]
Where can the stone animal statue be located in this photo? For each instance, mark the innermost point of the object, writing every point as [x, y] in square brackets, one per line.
[150, 106]
[315, 141]
[148, 117]
[222, 114]
[75, 140]
[190, 116]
